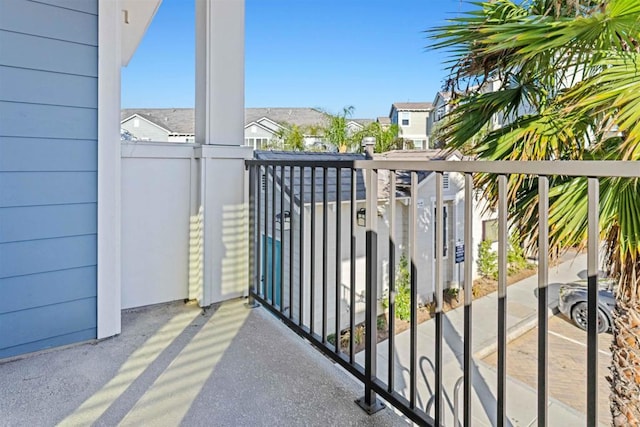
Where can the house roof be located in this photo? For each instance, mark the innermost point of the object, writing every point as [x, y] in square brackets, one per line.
[384, 120]
[403, 178]
[413, 106]
[308, 184]
[182, 120]
[175, 120]
[363, 122]
[297, 116]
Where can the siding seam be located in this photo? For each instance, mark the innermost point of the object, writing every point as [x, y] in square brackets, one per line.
[50, 71]
[62, 236]
[47, 38]
[47, 104]
[49, 271]
[35, 307]
[62, 7]
[5, 349]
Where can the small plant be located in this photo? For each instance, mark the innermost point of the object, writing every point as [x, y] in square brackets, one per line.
[475, 291]
[487, 260]
[402, 294]
[381, 323]
[452, 293]
[516, 260]
[359, 335]
[331, 338]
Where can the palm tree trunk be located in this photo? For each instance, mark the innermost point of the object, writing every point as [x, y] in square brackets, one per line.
[625, 349]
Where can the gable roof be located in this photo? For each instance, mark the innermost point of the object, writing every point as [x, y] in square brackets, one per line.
[308, 184]
[297, 116]
[182, 120]
[412, 106]
[384, 120]
[175, 120]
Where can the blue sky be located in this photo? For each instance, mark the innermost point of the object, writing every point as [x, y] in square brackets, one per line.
[324, 54]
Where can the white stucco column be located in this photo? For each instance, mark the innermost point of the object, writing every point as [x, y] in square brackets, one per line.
[219, 126]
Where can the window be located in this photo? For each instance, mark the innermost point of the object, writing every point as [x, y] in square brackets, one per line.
[490, 230]
[256, 143]
[440, 113]
[404, 118]
[419, 143]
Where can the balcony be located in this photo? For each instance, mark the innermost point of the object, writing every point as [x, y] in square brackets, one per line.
[233, 365]
[326, 255]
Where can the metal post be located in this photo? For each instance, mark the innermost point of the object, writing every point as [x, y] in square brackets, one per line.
[502, 300]
[392, 279]
[468, 295]
[438, 291]
[370, 402]
[592, 301]
[543, 298]
[253, 232]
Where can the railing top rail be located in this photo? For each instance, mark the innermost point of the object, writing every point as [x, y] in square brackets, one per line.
[338, 163]
[578, 168]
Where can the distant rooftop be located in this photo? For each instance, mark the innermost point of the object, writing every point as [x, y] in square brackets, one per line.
[332, 194]
[413, 106]
[182, 120]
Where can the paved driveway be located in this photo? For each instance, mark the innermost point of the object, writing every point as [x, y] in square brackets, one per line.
[567, 364]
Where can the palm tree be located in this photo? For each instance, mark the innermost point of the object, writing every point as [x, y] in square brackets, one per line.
[570, 79]
[336, 131]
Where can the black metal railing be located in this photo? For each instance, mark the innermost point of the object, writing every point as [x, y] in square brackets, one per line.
[294, 187]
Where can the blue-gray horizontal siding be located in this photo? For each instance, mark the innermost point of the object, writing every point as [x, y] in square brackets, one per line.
[48, 173]
[42, 154]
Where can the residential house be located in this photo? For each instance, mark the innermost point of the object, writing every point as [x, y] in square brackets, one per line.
[159, 124]
[263, 127]
[304, 213]
[442, 105]
[426, 218]
[412, 118]
[384, 122]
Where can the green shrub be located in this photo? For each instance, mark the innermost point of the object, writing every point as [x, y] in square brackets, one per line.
[402, 291]
[516, 261]
[487, 260]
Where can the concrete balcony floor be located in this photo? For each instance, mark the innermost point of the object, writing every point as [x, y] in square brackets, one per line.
[175, 364]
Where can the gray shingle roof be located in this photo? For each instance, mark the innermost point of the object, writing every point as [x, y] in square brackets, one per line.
[384, 120]
[175, 120]
[297, 116]
[182, 120]
[413, 106]
[332, 192]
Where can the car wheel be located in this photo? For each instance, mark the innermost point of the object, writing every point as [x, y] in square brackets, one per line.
[579, 317]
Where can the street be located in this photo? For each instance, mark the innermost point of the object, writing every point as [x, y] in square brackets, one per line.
[567, 364]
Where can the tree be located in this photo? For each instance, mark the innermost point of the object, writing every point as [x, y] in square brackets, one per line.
[570, 81]
[291, 137]
[337, 132]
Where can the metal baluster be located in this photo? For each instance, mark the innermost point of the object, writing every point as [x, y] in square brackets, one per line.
[439, 278]
[413, 359]
[312, 257]
[468, 295]
[502, 299]
[543, 298]
[592, 301]
[392, 279]
[338, 254]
